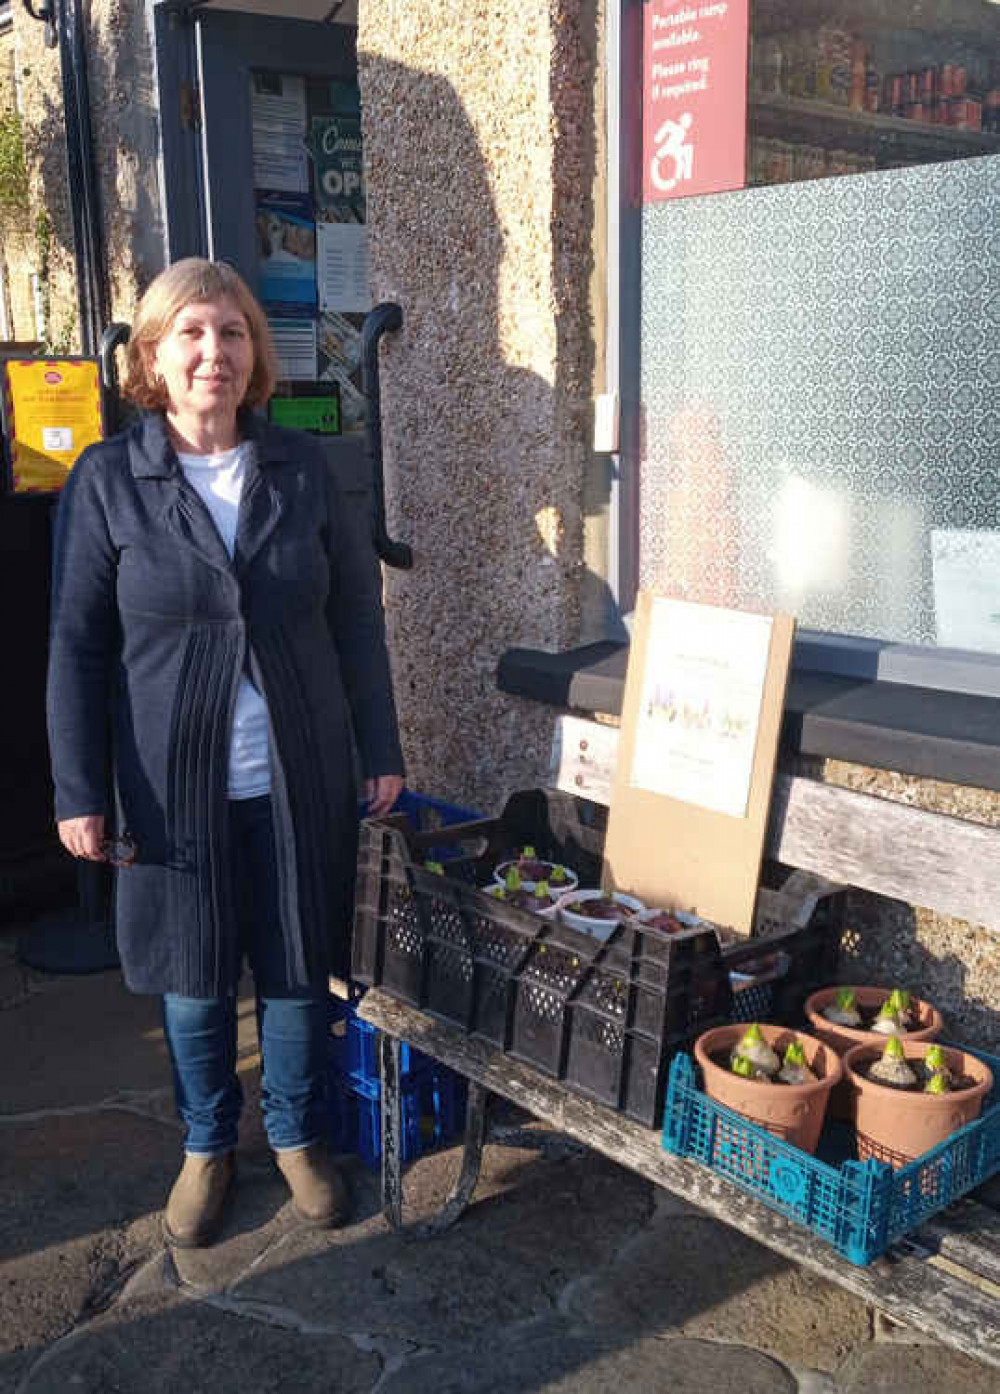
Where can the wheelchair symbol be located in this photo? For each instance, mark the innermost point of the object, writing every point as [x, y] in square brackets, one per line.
[673, 158]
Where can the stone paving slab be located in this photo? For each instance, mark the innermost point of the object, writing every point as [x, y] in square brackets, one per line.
[887, 1369]
[566, 1274]
[79, 1204]
[167, 1344]
[59, 1030]
[538, 1225]
[692, 1275]
[553, 1357]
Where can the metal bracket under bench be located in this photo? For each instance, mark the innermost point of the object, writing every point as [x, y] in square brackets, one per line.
[945, 1280]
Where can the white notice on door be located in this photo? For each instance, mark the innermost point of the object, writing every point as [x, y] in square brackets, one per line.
[342, 268]
[966, 569]
[295, 341]
[278, 114]
[57, 438]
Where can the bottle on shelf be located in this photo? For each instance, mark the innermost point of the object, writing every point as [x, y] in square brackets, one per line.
[859, 76]
[769, 67]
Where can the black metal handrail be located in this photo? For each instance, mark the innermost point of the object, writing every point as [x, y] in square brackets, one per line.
[112, 339]
[383, 318]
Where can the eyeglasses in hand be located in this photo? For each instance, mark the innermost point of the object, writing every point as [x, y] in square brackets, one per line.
[121, 850]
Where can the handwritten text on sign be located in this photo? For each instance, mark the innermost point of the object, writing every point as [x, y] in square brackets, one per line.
[694, 97]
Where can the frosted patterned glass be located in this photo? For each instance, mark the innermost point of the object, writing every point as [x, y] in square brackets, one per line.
[820, 368]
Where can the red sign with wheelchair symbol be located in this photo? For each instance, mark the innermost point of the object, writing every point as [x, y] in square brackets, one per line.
[694, 121]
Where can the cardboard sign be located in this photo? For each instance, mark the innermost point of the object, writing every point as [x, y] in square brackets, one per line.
[694, 97]
[52, 411]
[700, 726]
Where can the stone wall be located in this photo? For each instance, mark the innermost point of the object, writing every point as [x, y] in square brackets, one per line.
[125, 134]
[16, 242]
[479, 146]
[47, 250]
[125, 116]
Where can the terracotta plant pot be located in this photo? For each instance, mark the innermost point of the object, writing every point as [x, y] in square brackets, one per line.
[844, 1038]
[929, 1024]
[895, 1126]
[793, 1112]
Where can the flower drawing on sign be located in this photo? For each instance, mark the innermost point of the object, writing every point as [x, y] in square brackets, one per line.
[673, 155]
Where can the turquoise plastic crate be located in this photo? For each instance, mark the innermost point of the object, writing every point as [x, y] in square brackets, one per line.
[860, 1208]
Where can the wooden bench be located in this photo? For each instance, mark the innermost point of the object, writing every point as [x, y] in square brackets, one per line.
[945, 1279]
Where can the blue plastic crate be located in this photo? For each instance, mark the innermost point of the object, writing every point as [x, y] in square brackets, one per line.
[426, 813]
[860, 1208]
[354, 1046]
[432, 1109]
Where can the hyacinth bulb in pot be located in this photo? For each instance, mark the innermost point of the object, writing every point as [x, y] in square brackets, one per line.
[539, 899]
[778, 1078]
[531, 869]
[908, 1096]
[847, 1016]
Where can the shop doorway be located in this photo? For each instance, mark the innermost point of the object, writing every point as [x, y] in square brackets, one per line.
[262, 158]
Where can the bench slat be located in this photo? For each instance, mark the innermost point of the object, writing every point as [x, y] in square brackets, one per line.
[930, 859]
[970, 1236]
[908, 1288]
[945, 864]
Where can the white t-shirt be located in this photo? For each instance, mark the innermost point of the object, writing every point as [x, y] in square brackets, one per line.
[219, 482]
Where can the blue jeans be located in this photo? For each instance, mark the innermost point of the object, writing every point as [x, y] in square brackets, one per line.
[291, 1023]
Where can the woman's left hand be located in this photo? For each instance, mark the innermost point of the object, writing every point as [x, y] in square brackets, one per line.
[381, 793]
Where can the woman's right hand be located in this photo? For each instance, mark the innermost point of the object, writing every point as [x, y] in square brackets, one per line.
[82, 837]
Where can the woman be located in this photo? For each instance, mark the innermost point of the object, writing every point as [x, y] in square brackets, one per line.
[218, 645]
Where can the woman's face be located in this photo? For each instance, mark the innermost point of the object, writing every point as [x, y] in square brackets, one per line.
[205, 358]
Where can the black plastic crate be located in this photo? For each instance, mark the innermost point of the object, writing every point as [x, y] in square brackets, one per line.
[605, 1017]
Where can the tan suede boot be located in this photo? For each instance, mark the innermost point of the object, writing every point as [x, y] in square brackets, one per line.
[197, 1201]
[319, 1194]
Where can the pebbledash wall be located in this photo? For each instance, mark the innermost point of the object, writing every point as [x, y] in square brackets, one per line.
[483, 134]
[481, 177]
[480, 140]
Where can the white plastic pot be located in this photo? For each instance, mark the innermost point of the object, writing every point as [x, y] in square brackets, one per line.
[598, 929]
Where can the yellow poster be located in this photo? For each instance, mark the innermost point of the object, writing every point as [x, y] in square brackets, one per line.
[53, 412]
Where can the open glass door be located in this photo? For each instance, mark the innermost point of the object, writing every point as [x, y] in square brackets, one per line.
[275, 158]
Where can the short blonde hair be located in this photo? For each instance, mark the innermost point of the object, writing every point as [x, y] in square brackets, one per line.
[187, 282]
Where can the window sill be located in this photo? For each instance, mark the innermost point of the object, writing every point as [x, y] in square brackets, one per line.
[951, 736]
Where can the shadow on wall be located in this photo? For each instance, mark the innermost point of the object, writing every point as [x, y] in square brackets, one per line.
[883, 945]
[486, 397]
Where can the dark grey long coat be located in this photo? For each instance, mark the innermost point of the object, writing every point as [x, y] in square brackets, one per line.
[152, 624]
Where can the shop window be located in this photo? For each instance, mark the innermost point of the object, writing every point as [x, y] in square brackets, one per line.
[845, 88]
[819, 362]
